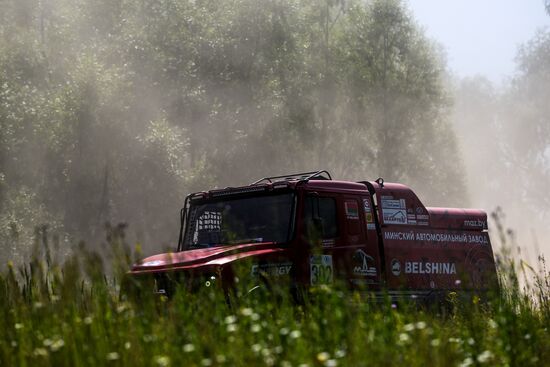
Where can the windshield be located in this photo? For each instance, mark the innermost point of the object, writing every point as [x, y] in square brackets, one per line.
[266, 218]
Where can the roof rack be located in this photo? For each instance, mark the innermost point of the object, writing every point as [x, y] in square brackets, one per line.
[304, 176]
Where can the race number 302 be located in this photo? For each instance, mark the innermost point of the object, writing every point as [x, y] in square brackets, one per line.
[321, 270]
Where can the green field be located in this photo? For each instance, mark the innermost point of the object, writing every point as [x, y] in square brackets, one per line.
[114, 111]
[72, 314]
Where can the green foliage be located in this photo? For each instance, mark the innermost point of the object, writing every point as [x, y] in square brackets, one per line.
[72, 313]
[111, 111]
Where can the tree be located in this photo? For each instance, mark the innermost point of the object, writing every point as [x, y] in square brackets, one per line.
[113, 110]
[395, 81]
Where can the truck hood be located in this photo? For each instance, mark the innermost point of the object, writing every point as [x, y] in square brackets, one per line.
[203, 257]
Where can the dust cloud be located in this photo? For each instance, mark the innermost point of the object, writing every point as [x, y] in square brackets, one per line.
[111, 112]
[501, 135]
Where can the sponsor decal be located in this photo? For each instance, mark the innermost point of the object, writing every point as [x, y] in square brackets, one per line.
[422, 223]
[395, 267]
[395, 216]
[271, 269]
[352, 209]
[422, 216]
[403, 236]
[482, 239]
[364, 264]
[368, 214]
[437, 237]
[411, 219]
[393, 203]
[366, 205]
[419, 210]
[394, 211]
[321, 271]
[416, 267]
[328, 242]
[475, 223]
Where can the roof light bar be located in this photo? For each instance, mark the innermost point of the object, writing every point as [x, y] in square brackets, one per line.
[304, 176]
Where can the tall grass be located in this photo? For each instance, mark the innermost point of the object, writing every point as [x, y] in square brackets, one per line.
[72, 313]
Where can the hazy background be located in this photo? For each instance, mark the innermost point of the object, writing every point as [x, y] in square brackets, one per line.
[499, 112]
[112, 111]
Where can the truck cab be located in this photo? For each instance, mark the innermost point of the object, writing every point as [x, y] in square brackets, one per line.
[308, 230]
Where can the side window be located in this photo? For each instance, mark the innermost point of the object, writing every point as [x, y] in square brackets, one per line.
[320, 216]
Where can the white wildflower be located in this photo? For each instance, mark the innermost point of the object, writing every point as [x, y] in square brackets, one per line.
[404, 337]
[340, 353]
[255, 328]
[231, 319]
[420, 325]
[485, 357]
[295, 334]
[162, 361]
[256, 348]
[40, 352]
[57, 344]
[188, 348]
[323, 357]
[231, 328]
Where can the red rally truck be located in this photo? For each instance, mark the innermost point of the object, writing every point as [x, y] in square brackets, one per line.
[306, 230]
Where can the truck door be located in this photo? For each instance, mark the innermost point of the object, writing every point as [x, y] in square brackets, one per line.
[360, 247]
[336, 231]
[322, 232]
